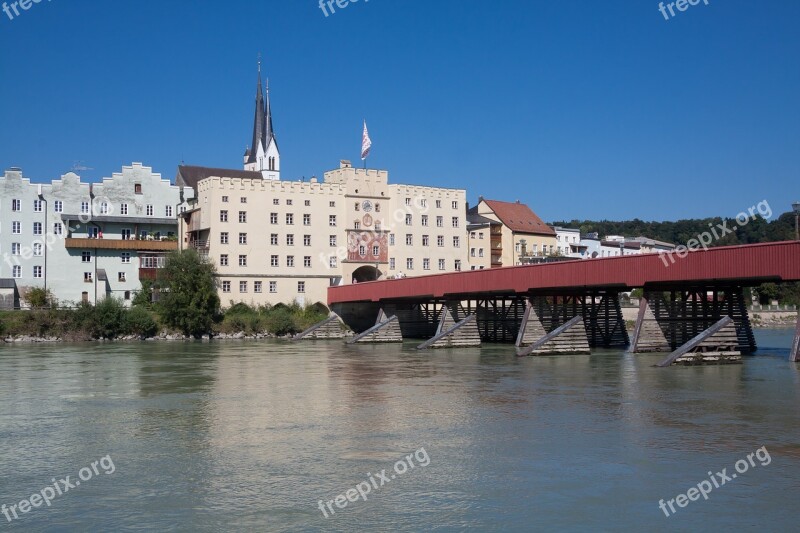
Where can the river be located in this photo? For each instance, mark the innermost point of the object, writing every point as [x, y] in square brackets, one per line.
[264, 435]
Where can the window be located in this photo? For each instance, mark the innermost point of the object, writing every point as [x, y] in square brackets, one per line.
[423, 202]
[307, 203]
[84, 208]
[332, 262]
[456, 242]
[242, 286]
[391, 239]
[168, 211]
[357, 225]
[288, 201]
[126, 234]
[137, 188]
[121, 277]
[223, 216]
[223, 237]
[58, 206]
[290, 261]
[17, 271]
[426, 264]
[127, 295]
[87, 277]
[306, 219]
[480, 235]
[104, 208]
[306, 240]
[438, 204]
[441, 264]
[242, 216]
[16, 205]
[458, 265]
[424, 220]
[307, 261]
[439, 222]
[376, 251]
[149, 210]
[472, 252]
[301, 287]
[408, 201]
[123, 209]
[408, 219]
[290, 240]
[425, 240]
[58, 229]
[273, 260]
[331, 204]
[440, 240]
[332, 220]
[226, 286]
[273, 218]
[257, 286]
[332, 240]
[86, 257]
[273, 286]
[37, 206]
[410, 264]
[94, 233]
[275, 201]
[362, 250]
[289, 219]
[454, 204]
[243, 200]
[391, 263]
[37, 249]
[409, 239]
[224, 199]
[242, 260]
[223, 260]
[358, 206]
[16, 248]
[273, 239]
[455, 222]
[243, 238]
[480, 252]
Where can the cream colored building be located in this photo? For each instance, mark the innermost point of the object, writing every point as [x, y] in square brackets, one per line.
[278, 241]
[521, 233]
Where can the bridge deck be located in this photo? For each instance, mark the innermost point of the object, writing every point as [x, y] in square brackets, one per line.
[745, 265]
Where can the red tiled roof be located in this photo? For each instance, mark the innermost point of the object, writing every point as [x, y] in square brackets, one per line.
[519, 218]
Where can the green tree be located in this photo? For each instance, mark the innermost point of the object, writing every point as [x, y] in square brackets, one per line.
[139, 321]
[188, 300]
[38, 297]
[143, 298]
[109, 314]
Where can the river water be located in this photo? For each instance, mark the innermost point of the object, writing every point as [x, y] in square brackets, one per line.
[251, 436]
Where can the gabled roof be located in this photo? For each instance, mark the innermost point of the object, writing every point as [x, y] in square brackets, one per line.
[519, 217]
[189, 176]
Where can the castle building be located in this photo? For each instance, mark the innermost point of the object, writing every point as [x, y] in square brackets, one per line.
[278, 241]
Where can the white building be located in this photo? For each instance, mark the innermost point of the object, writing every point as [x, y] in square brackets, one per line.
[85, 241]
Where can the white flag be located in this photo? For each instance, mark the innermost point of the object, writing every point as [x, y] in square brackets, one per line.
[366, 143]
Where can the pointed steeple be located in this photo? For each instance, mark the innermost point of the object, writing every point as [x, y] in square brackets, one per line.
[269, 133]
[258, 122]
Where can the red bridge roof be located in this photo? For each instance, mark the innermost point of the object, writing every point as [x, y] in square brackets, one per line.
[747, 265]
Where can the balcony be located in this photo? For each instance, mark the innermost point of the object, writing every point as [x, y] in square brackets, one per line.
[123, 244]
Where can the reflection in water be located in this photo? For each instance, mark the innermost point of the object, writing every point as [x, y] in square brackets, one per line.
[250, 436]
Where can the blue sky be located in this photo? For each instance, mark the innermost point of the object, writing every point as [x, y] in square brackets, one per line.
[581, 108]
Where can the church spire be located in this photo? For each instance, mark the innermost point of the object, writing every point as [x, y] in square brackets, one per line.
[269, 133]
[258, 122]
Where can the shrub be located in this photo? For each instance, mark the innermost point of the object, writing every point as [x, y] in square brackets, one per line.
[108, 318]
[139, 321]
[279, 321]
[38, 297]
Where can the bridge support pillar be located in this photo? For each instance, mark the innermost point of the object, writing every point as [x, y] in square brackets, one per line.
[531, 328]
[600, 310]
[569, 338]
[682, 313]
[330, 328]
[795, 353]
[647, 335]
[386, 329]
[717, 345]
[452, 334]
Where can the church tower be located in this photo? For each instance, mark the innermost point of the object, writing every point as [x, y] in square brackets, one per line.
[263, 154]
